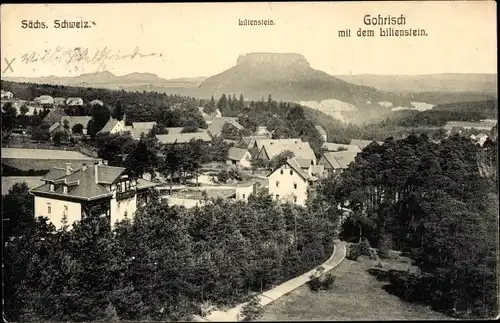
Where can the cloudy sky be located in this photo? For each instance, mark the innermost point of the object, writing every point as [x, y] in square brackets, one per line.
[205, 39]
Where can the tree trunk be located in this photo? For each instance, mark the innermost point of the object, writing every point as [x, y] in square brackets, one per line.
[360, 231]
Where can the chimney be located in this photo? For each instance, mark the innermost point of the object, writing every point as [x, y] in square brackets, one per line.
[68, 168]
[84, 167]
[96, 173]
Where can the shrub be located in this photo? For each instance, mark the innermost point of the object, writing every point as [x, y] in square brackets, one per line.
[252, 310]
[314, 284]
[328, 282]
[222, 176]
[365, 248]
[353, 252]
[385, 245]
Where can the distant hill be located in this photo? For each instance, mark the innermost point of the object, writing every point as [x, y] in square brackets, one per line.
[451, 82]
[288, 77]
[109, 80]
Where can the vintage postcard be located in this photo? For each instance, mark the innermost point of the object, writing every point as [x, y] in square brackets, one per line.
[249, 161]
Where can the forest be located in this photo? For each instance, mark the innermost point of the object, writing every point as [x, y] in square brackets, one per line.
[437, 203]
[161, 266]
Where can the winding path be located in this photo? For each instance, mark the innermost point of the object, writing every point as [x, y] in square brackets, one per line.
[267, 297]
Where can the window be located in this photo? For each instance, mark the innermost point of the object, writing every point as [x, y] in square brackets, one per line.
[65, 190]
[312, 162]
[277, 183]
[243, 195]
[51, 187]
[234, 162]
[277, 196]
[281, 171]
[295, 199]
[291, 171]
[49, 208]
[295, 185]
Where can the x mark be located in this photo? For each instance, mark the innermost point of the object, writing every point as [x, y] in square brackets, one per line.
[9, 64]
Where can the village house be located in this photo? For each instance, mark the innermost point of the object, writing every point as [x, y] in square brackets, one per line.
[210, 116]
[69, 195]
[59, 128]
[239, 157]
[245, 190]
[7, 95]
[59, 102]
[183, 138]
[330, 146]
[290, 182]
[250, 141]
[45, 100]
[258, 143]
[217, 124]
[72, 102]
[303, 153]
[54, 115]
[74, 120]
[363, 143]
[322, 132]
[336, 162]
[113, 126]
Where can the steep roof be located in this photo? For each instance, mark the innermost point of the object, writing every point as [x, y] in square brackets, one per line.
[340, 159]
[300, 150]
[363, 143]
[330, 146]
[83, 120]
[292, 162]
[54, 127]
[144, 125]
[84, 183]
[215, 128]
[184, 137]
[54, 115]
[112, 122]
[267, 141]
[136, 133]
[250, 140]
[236, 153]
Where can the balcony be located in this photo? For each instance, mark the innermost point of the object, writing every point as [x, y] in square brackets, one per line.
[125, 195]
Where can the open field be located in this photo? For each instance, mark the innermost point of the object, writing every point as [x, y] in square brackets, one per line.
[9, 181]
[357, 295]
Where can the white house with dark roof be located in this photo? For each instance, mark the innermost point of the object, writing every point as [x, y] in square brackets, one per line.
[59, 101]
[290, 182]
[68, 194]
[44, 100]
[239, 157]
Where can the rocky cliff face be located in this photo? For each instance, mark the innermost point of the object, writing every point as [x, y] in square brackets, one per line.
[274, 59]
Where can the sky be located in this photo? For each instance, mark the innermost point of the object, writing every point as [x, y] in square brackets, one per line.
[204, 39]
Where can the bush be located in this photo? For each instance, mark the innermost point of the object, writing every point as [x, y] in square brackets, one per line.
[353, 252]
[252, 310]
[222, 176]
[314, 284]
[385, 245]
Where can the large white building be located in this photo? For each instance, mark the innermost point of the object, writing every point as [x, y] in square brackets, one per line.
[290, 182]
[68, 195]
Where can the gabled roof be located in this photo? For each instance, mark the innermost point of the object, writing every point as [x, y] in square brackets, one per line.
[292, 162]
[136, 133]
[340, 159]
[54, 173]
[112, 122]
[320, 130]
[83, 182]
[45, 97]
[304, 163]
[184, 137]
[250, 140]
[215, 128]
[54, 127]
[363, 143]
[83, 120]
[300, 150]
[144, 125]
[317, 170]
[330, 146]
[74, 100]
[174, 130]
[236, 153]
[54, 115]
[267, 141]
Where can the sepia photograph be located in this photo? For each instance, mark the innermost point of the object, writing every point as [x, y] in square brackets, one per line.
[229, 162]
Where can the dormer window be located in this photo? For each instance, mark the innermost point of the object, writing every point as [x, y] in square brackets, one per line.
[51, 187]
[65, 189]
